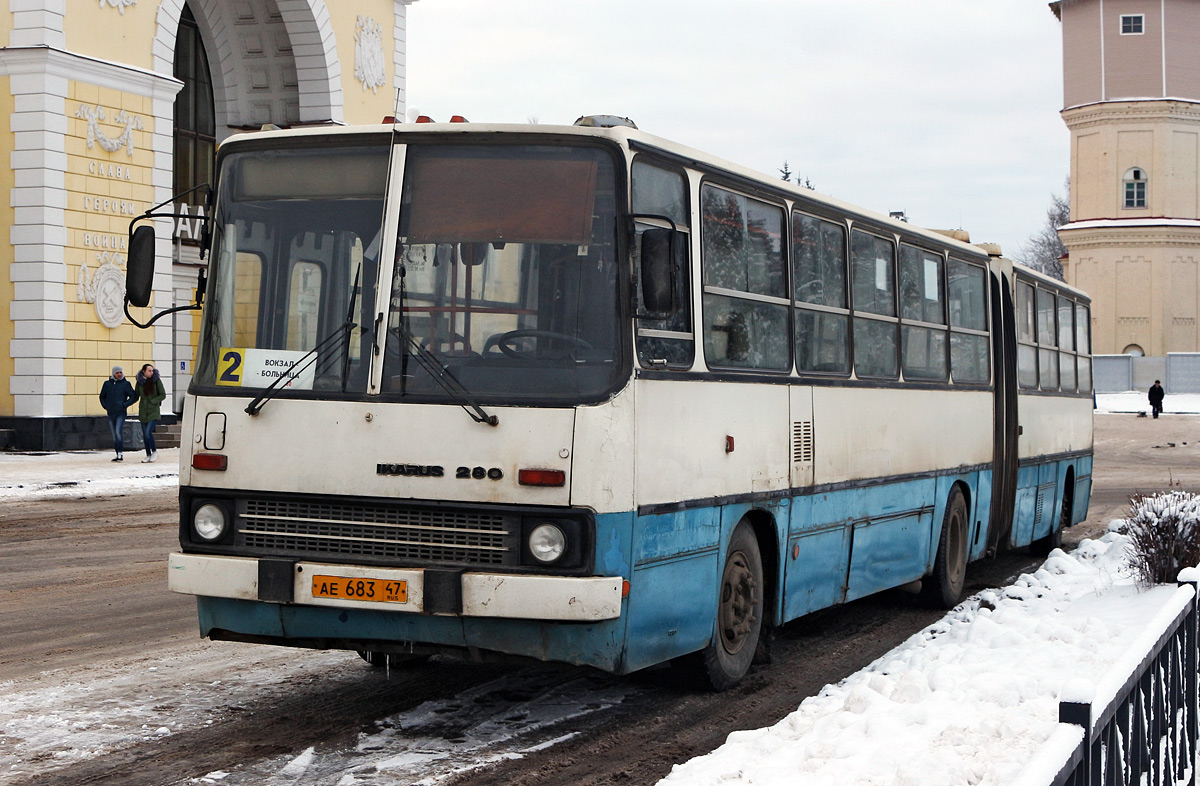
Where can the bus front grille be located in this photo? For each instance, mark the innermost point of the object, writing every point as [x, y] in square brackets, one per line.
[425, 534]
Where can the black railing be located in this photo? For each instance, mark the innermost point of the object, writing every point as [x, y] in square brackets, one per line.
[1140, 725]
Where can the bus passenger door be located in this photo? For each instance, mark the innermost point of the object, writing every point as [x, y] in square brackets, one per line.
[816, 558]
[1004, 373]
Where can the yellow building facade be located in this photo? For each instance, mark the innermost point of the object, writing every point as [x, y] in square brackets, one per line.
[1131, 92]
[110, 106]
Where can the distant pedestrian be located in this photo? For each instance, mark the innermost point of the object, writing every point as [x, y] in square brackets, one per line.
[116, 394]
[1156, 397]
[150, 396]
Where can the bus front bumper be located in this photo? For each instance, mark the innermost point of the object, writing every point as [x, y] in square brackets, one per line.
[419, 591]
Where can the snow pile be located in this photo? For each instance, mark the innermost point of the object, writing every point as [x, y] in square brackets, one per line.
[1164, 534]
[969, 700]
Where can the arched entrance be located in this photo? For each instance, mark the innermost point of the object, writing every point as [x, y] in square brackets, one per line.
[272, 61]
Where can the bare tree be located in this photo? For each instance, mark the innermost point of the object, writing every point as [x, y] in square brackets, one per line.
[1044, 250]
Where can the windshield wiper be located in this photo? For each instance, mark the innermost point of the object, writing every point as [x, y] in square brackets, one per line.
[440, 373]
[446, 380]
[307, 359]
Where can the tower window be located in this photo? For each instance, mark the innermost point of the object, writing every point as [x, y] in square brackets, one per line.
[1132, 24]
[1135, 188]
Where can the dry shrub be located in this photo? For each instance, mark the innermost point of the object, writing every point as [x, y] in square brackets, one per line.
[1164, 532]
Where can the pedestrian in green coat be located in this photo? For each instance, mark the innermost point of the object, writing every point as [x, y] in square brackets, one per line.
[151, 393]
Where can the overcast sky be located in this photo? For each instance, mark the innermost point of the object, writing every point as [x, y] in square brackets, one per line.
[946, 109]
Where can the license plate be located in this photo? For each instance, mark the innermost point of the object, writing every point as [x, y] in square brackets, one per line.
[361, 589]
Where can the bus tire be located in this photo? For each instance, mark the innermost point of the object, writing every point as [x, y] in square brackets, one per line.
[944, 586]
[727, 658]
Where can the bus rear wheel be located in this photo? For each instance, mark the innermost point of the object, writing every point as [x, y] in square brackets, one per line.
[944, 586]
[727, 658]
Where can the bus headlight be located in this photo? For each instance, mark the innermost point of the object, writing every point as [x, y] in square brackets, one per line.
[210, 522]
[547, 543]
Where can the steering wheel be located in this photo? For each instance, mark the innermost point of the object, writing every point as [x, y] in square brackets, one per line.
[503, 342]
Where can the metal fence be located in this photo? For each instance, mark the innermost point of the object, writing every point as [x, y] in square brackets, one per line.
[1140, 724]
[1178, 371]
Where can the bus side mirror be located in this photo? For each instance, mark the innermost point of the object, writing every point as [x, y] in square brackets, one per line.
[139, 275]
[658, 255]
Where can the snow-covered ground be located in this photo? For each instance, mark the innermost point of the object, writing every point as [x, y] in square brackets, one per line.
[83, 473]
[968, 700]
[1136, 401]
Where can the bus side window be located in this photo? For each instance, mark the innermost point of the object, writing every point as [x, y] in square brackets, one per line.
[969, 360]
[872, 264]
[819, 289]
[658, 191]
[746, 303]
[1084, 346]
[1047, 337]
[1027, 359]
[1066, 344]
[922, 307]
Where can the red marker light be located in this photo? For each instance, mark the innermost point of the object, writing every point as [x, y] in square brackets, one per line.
[459, 119]
[424, 119]
[213, 461]
[541, 477]
[389, 120]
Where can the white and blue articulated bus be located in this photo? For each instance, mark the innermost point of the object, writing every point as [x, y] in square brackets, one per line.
[581, 394]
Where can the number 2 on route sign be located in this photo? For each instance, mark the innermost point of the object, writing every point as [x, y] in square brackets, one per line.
[230, 365]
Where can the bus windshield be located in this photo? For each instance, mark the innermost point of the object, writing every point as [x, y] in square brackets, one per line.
[295, 261]
[506, 275]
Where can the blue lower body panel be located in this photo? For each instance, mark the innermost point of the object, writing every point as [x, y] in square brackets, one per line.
[818, 550]
[1043, 489]
[595, 644]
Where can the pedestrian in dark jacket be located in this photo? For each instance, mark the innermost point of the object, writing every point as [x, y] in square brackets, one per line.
[150, 395]
[1156, 397]
[116, 394]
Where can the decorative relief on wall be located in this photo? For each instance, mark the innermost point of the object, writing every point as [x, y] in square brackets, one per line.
[368, 54]
[120, 5]
[95, 115]
[105, 288]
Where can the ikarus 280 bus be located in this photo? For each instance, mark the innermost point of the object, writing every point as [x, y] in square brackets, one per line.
[582, 394]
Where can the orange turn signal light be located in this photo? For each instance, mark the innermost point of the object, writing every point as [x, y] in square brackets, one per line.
[541, 477]
[215, 461]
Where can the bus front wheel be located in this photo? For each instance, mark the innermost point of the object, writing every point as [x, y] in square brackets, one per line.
[944, 586]
[727, 658]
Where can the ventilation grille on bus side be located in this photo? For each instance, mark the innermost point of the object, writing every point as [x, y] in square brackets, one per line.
[391, 532]
[1039, 506]
[802, 442]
